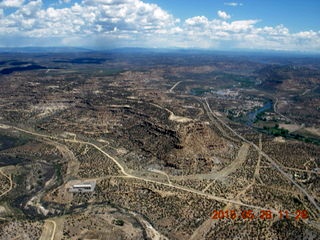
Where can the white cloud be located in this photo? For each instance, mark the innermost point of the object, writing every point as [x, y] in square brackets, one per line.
[197, 21]
[241, 26]
[233, 4]
[89, 17]
[11, 3]
[64, 1]
[31, 8]
[117, 23]
[307, 34]
[223, 15]
[246, 35]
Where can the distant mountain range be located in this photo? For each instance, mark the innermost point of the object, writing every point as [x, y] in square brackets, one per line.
[43, 50]
[234, 52]
[115, 50]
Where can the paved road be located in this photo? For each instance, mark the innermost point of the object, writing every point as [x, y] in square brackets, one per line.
[174, 86]
[127, 175]
[182, 188]
[271, 161]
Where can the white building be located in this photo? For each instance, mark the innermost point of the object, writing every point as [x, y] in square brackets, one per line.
[83, 187]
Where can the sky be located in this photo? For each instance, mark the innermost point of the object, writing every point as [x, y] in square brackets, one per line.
[286, 25]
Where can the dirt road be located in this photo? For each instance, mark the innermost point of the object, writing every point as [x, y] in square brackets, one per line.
[10, 183]
[49, 229]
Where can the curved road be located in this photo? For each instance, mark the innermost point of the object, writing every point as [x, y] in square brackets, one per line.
[11, 184]
[47, 232]
[182, 188]
[185, 189]
[271, 161]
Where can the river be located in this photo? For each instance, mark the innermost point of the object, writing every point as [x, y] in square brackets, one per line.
[251, 116]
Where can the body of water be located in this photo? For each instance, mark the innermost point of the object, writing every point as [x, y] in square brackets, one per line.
[251, 116]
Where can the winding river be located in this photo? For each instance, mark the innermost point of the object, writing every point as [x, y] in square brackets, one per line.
[251, 116]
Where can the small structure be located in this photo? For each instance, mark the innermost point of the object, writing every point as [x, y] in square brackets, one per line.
[82, 187]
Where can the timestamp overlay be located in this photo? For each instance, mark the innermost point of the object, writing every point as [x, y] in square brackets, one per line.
[249, 214]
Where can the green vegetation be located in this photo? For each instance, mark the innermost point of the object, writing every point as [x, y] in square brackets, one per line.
[118, 222]
[199, 91]
[260, 117]
[11, 212]
[7, 142]
[244, 81]
[277, 132]
[58, 170]
[108, 72]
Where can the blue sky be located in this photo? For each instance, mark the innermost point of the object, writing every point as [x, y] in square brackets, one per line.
[215, 24]
[297, 15]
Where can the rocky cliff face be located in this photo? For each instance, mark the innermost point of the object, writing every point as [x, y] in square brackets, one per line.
[198, 146]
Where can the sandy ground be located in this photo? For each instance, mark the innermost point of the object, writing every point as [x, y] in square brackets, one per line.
[180, 119]
[279, 140]
[49, 229]
[290, 127]
[296, 127]
[315, 131]
[3, 126]
[44, 110]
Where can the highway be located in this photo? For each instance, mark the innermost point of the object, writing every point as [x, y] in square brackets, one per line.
[127, 175]
[182, 188]
[271, 161]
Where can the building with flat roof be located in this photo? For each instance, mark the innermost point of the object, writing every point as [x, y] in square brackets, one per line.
[83, 187]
